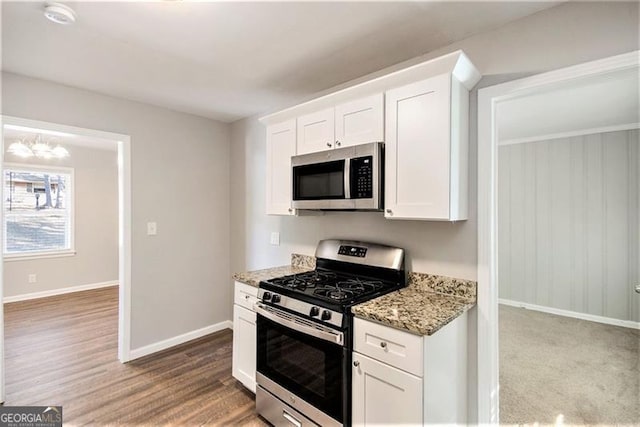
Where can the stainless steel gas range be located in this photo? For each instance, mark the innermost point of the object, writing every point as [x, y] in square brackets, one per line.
[304, 331]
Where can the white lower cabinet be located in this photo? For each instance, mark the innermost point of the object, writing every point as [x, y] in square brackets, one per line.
[384, 395]
[244, 336]
[399, 378]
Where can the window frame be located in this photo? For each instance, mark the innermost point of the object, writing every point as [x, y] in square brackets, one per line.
[70, 188]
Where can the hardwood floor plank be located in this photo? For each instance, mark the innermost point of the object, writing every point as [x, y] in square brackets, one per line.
[62, 350]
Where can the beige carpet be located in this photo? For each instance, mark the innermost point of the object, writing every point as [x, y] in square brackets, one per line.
[552, 365]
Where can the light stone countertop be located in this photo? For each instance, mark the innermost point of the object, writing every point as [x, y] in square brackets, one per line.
[299, 264]
[427, 304]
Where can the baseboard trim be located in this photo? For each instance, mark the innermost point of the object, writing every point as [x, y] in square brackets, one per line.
[179, 339]
[568, 313]
[59, 291]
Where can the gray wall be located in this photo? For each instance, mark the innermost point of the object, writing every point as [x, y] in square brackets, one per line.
[568, 34]
[95, 227]
[180, 179]
[568, 223]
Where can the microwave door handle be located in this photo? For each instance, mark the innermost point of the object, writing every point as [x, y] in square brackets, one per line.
[347, 179]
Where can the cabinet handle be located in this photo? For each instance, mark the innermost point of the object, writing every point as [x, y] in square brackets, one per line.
[356, 363]
[383, 344]
[328, 144]
[337, 143]
[246, 297]
[290, 209]
[389, 211]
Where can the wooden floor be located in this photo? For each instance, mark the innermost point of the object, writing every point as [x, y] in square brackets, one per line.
[63, 351]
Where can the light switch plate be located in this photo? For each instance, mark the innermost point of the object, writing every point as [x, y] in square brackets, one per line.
[275, 238]
[152, 228]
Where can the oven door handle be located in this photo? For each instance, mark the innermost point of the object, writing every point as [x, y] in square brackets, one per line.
[299, 324]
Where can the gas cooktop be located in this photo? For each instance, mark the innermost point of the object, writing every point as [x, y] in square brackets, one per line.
[337, 288]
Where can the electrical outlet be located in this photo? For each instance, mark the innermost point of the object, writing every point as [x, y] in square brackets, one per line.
[275, 238]
[33, 278]
[152, 228]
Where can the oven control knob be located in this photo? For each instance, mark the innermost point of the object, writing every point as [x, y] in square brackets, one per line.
[314, 311]
[275, 298]
[266, 296]
[326, 315]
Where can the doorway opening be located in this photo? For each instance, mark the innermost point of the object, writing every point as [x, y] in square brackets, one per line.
[66, 203]
[558, 243]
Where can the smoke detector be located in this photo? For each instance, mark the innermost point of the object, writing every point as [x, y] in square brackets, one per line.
[59, 13]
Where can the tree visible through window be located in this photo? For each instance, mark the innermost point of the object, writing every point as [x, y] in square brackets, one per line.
[37, 210]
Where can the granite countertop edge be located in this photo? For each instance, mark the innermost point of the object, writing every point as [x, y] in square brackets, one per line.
[299, 264]
[425, 306]
[414, 322]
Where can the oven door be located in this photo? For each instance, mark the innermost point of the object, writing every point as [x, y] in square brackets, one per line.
[306, 361]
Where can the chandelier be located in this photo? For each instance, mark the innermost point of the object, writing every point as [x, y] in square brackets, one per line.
[37, 147]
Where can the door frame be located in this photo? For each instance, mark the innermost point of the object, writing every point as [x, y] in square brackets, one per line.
[488, 100]
[124, 227]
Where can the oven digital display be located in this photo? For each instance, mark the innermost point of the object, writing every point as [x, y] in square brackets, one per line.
[355, 251]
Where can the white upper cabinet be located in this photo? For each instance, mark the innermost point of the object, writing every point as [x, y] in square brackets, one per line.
[418, 151]
[350, 123]
[315, 132]
[360, 121]
[281, 145]
[421, 113]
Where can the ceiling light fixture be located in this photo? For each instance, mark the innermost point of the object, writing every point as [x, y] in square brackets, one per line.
[59, 13]
[37, 148]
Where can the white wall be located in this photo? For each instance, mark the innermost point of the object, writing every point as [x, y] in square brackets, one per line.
[568, 34]
[180, 179]
[95, 227]
[568, 223]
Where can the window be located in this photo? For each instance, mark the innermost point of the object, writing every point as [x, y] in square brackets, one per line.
[38, 210]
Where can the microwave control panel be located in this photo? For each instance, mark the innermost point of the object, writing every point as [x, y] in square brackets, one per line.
[362, 177]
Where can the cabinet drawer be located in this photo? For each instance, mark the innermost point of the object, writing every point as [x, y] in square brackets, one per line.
[392, 346]
[245, 295]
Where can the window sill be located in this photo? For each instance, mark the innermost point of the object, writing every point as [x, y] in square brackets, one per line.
[39, 255]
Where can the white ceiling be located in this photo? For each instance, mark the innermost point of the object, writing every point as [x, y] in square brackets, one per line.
[603, 101]
[234, 59]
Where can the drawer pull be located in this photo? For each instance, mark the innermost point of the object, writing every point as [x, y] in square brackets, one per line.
[383, 344]
[293, 420]
[356, 363]
[246, 297]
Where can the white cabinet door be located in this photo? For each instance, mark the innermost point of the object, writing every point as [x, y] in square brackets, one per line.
[384, 396]
[315, 132]
[244, 347]
[360, 121]
[417, 152]
[281, 145]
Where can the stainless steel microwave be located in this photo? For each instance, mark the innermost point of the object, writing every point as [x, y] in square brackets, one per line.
[348, 178]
